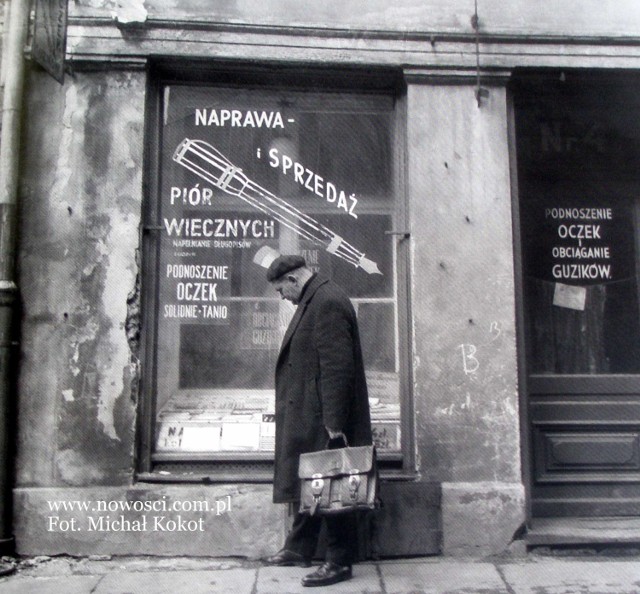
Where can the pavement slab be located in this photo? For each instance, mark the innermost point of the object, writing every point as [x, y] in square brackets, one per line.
[68, 584]
[442, 577]
[573, 577]
[237, 581]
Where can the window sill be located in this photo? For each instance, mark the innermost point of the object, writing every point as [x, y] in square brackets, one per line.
[248, 478]
[239, 467]
[244, 457]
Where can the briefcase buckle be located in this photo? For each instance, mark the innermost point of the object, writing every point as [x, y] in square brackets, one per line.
[317, 485]
[354, 485]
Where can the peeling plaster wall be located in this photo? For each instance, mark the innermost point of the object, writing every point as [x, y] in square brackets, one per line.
[81, 192]
[465, 367]
[463, 285]
[521, 17]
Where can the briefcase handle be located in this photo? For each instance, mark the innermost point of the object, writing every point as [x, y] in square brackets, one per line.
[342, 437]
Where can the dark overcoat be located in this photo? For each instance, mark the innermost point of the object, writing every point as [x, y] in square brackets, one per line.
[320, 382]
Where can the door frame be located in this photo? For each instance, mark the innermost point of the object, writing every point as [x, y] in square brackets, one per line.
[526, 446]
[606, 383]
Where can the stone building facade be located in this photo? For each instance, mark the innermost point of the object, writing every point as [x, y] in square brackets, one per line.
[460, 145]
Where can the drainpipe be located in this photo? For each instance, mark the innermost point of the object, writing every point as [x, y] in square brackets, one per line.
[13, 62]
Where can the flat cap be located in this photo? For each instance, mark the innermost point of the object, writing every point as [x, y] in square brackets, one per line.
[283, 264]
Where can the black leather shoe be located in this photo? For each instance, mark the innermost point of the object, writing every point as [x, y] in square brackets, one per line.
[287, 558]
[327, 574]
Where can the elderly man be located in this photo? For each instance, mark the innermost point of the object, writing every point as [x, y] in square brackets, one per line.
[321, 397]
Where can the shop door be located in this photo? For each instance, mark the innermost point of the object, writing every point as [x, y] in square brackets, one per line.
[578, 153]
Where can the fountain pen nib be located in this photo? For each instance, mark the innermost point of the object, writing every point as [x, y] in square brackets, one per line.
[369, 266]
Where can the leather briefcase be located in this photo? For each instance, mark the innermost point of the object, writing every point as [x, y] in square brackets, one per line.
[338, 481]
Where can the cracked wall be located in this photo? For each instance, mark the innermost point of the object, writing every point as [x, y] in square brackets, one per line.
[80, 204]
[465, 372]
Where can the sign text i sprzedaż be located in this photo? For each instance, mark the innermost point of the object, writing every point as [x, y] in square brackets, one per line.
[313, 182]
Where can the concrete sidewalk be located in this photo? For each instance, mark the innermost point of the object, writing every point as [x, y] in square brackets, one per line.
[534, 574]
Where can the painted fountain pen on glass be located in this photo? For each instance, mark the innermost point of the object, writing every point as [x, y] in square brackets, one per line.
[211, 165]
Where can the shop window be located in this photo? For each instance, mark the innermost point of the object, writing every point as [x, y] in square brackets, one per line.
[580, 214]
[245, 174]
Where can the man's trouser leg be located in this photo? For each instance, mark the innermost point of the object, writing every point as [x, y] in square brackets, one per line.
[303, 536]
[342, 538]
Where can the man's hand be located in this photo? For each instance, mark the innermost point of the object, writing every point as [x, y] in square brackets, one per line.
[336, 434]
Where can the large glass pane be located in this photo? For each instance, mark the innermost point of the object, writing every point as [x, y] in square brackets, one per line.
[579, 158]
[246, 173]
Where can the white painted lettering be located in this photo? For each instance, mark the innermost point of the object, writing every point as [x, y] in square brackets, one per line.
[236, 118]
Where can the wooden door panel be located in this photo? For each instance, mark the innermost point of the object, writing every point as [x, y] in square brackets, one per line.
[586, 456]
[586, 444]
[609, 504]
